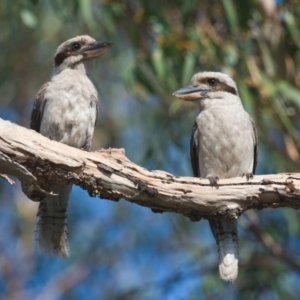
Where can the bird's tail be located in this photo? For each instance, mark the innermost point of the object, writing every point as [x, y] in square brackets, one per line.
[51, 232]
[225, 233]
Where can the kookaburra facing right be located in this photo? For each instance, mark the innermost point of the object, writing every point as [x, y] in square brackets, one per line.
[223, 145]
[65, 110]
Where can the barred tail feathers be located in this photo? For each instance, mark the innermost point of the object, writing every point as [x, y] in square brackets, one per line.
[225, 233]
[51, 232]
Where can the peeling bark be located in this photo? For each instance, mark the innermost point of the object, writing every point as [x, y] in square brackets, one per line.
[39, 162]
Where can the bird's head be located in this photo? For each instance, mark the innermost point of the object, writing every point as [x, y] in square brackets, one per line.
[209, 88]
[78, 52]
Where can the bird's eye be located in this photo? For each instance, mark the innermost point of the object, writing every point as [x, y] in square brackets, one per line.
[76, 46]
[212, 81]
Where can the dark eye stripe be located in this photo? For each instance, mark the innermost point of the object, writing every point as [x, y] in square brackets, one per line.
[75, 46]
[226, 88]
[212, 81]
[60, 57]
[220, 86]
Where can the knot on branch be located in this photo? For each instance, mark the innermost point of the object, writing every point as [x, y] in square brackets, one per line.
[142, 186]
[290, 186]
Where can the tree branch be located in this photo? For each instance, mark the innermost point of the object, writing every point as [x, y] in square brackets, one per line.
[38, 162]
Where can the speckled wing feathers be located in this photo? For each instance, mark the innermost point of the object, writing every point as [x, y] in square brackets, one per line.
[255, 155]
[38, 108]
[194, 151]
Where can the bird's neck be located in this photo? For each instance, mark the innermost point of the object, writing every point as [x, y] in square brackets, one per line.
[83, 67]
[220, 99]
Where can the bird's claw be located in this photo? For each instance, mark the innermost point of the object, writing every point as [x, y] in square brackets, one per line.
[248, 175]
[213, 180]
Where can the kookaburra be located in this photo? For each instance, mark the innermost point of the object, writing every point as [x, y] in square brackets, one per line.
[223, 145]
[65, 110]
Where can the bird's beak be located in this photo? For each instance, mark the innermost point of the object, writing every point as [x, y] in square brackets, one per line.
[192, 93]
[95, 50]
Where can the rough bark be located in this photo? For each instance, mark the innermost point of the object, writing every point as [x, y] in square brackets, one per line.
[38, 162]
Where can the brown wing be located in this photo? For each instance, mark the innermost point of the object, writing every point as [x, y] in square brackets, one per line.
[97, 112]
[194, 150]
[88, 141]
[255, 146]
[38, 108]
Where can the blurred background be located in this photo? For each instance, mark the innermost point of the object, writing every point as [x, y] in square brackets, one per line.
[120, 250]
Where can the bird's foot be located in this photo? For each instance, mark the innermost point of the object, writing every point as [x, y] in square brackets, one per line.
[248, 175]
[213, 180]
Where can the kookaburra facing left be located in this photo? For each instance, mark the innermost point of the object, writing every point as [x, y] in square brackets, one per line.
[65, 110]
[223, 145]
